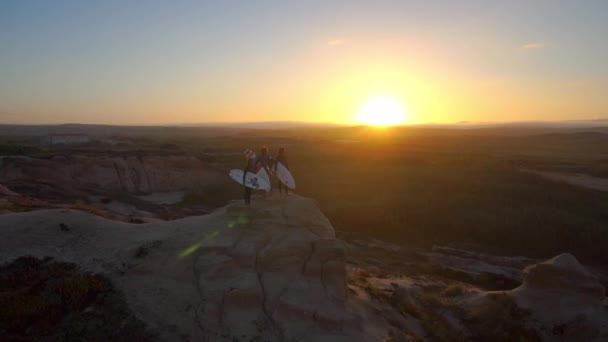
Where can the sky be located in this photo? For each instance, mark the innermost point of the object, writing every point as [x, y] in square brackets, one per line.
[168, 62]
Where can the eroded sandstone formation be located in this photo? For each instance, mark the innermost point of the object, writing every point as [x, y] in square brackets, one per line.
[132, 174]
[270, 272]
[565, 299]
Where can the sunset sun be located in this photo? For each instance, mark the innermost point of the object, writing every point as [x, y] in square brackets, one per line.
[382, 111]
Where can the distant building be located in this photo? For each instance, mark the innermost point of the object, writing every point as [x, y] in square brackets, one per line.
[59, 139]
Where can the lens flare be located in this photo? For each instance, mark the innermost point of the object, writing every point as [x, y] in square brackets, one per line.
[241, 220]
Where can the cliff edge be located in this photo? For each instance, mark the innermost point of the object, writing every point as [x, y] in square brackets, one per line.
[273, 271]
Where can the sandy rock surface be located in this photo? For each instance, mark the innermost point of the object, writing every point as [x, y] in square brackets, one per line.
[273, 271]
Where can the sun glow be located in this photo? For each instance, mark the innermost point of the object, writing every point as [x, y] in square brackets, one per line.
[382, 111]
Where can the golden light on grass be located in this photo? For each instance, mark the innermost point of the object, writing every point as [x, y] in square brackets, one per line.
[382, 111]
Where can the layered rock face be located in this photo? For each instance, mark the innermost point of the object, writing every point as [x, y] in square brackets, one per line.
[281, 279]
[565, 298]
[270, 272]
[565, 274]
[132, 174]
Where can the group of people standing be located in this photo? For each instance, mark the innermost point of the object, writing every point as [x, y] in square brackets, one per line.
[269, 163]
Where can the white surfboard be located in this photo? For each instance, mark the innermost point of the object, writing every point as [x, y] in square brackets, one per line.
[262, 174]
[285, 176]
[251, 180]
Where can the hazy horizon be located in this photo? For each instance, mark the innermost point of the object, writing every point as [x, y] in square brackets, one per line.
[590, 123]
[158, 63]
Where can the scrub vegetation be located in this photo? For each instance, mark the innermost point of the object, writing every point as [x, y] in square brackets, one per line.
[464, 188]
[467, 188]
[43, 299]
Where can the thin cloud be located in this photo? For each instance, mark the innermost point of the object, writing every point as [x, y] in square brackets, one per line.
[335, 42]
[534, 46]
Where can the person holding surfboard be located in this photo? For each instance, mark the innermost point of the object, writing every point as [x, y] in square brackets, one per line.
[281, 158]
[249, 167]
[281, 171]
[249, 177]
[263, 162]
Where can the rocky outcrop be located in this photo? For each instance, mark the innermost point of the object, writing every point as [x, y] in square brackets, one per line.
[276, 275]
[560, 287]
[270, 272]
[565, 274]
[443, 294]
[132, 174]
[565, 298]
[490, 271]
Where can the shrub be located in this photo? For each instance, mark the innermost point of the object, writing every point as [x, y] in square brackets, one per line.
[499, 318]
[453, 290]
[430, 309]
[41, 299]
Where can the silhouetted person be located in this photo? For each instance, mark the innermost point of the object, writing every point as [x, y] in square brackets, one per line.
[248, 168]
[281, 158]
[263, 161]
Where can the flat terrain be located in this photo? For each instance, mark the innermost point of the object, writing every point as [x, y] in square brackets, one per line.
[416, 186]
